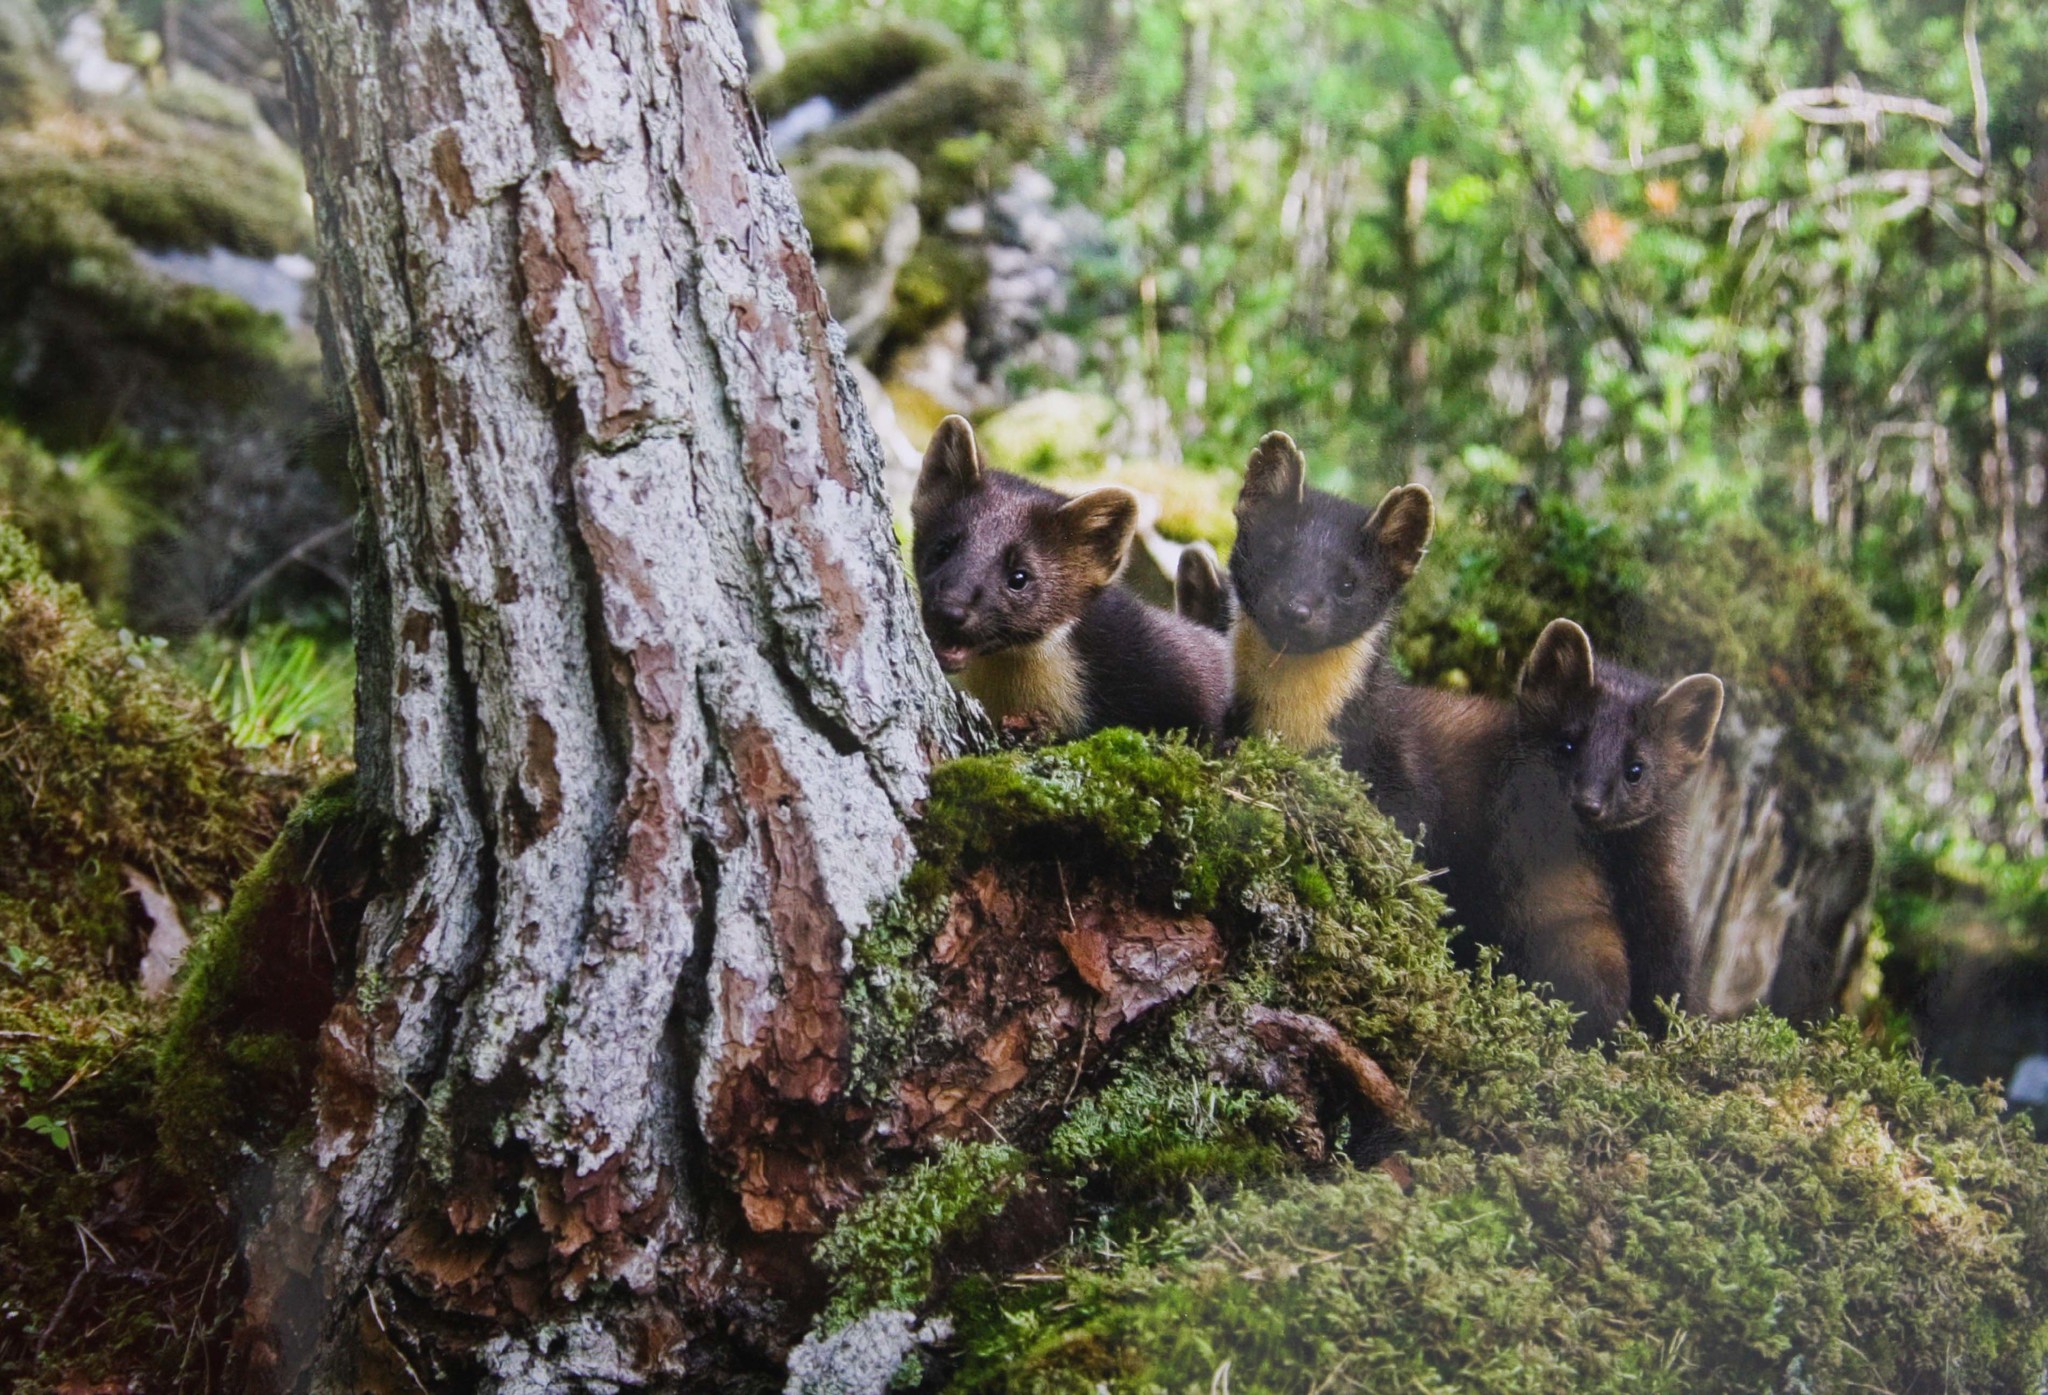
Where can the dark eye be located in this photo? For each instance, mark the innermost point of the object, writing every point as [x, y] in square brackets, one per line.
[942, 549]
[1634, 772]
[1019, 579]
[1567, 746]
[1346, 586]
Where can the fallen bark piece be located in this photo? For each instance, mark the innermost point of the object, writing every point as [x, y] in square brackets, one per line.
[1297, 1033]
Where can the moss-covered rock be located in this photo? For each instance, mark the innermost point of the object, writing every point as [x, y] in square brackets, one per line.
[1055, 431]
[850, 66]
[79, 196]
[942, 280]
[963, 123]
[1736, 1207]
[859, 208]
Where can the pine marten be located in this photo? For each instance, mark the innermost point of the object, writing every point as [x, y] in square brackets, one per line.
[1022, 613]
[1625, 748]
[1200, 593]
[1318, 583]
[1317, 580]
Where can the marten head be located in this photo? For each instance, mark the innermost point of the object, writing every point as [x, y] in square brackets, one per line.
[1313, 571]
[1002, 562]
[1624, 745]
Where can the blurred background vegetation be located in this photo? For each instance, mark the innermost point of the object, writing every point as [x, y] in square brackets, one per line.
[1718, 326]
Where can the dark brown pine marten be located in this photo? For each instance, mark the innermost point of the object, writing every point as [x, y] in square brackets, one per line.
[1318, 582]
[1625, 748]
[1021, 608]
[1318, 579]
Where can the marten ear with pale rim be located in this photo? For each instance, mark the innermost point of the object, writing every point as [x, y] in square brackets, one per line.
[1560, 666]
[1276, 473]
[1097, 528]
[1689, 711]
[1402, 526]
[952, 470]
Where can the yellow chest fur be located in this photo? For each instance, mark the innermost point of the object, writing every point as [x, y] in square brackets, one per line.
[1296, 697]
[1041, 681]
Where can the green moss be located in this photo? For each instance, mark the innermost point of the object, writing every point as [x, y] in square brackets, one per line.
[1735, 1209]
[883, 1253]
[79, 519]
[849, 198]
[233, 1063]
[113, 759]
[941, 280]
[80, 197]
[963, 123]
[1159, 1126]
[850, 66]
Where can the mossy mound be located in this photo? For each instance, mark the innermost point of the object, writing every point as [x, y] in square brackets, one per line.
[851, 66]
[1736, 1207]
[112, 760]
[80, 195]
[1670, 593]
[74, 512]
[963, 124]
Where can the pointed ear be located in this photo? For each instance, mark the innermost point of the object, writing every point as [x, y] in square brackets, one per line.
[1402, 526]
[1198, 591]
[1097, 528]
[1560, 666]
[952, 470]
[1689, 711]
[1276, 473]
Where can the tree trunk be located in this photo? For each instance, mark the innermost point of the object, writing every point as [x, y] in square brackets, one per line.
[644, 713]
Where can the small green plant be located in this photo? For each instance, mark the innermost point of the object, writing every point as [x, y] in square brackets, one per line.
[280, 687]
[58, 1131]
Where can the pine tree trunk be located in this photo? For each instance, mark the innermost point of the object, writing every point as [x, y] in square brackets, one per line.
[644, 710]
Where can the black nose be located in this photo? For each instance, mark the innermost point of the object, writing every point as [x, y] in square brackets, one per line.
[1299, 611]
[1588, 805]
[947, 613]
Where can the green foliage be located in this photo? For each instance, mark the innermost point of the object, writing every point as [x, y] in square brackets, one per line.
[279, 688]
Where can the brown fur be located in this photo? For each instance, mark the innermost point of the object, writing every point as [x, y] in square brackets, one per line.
[1624, 750]
[1020, 604]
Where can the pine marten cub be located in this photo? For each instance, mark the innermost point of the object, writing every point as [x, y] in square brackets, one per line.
[1317, 580]
[1022, 613]
[1625, 748]
[1200, 593]
[1318, 583]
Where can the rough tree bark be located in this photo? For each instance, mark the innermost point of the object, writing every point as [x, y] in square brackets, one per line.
[644, 713]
